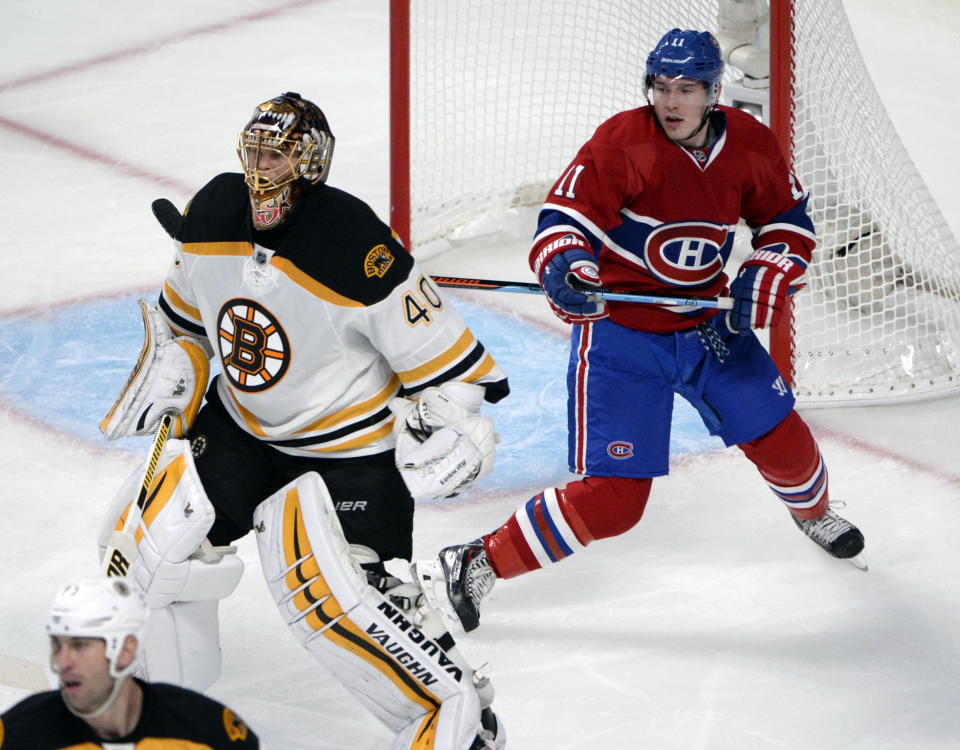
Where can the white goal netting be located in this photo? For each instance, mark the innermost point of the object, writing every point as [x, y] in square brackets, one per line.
[503, 92]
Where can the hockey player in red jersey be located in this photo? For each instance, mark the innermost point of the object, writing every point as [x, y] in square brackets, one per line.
[650, 203]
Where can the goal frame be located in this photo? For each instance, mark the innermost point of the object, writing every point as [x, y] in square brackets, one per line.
[781, 339]
[879, 319]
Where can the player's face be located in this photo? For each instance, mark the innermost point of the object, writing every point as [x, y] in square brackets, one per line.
[272, 161]
[679, 104]
[81, 663]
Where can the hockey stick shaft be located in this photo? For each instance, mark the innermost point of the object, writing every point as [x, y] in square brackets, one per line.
[643, 298]
[122, 548]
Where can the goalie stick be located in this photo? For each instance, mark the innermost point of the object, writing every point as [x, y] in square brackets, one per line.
[616, 295]
[121, 550]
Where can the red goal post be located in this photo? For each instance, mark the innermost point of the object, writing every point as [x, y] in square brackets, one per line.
[490, 98]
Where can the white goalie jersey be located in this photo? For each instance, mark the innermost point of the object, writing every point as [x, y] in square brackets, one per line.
[317, 335]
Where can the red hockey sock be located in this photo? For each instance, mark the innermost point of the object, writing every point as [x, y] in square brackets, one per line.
[789, 460]
[557, 522]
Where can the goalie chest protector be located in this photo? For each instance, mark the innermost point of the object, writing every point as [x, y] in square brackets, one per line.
[317, 323]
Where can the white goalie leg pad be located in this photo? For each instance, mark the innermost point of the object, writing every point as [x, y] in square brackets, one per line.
[410, 677]
[182, 644]
[176, 518]
[443, 444]
[170, 375]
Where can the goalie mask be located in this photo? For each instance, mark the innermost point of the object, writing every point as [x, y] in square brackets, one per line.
[287, 139]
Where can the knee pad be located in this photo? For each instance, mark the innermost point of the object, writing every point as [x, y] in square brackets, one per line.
[176, 518]
[405, 670]
[602, 507]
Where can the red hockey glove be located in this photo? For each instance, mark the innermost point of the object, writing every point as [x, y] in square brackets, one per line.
[566, 269]
[760, 290]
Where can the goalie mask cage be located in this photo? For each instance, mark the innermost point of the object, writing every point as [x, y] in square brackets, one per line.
[492, 98]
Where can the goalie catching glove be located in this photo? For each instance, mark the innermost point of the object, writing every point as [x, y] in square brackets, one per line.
[170, 375]
[443, 444]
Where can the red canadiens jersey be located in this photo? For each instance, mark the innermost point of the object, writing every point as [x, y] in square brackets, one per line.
[662, 218]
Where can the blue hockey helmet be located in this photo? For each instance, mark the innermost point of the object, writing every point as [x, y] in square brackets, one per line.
[685, 53]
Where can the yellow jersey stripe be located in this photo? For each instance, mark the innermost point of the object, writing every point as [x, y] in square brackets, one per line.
[312, 285]
[482, 369]
[464, 344]
[218, 248]
[357, 442]
[177, 302]
[251, 421]
[364, 407]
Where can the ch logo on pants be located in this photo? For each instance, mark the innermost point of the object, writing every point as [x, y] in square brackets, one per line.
[620, 449]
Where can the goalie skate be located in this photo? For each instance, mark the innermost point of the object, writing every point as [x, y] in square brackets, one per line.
[492, 735]
[836, 535]
[456, 582]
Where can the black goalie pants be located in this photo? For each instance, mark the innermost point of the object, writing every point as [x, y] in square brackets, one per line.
[238, 472]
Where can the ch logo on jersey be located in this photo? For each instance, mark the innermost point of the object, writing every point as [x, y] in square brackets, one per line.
[620, 449]
[254, 349]
[685, 253]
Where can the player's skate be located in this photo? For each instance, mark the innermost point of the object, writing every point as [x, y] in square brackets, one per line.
[492, 735]
[836, 535]
[456, 581]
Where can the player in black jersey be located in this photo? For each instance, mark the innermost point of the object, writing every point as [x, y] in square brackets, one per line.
[95, 629]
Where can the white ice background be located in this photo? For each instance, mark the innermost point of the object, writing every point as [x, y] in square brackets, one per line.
[713, 625]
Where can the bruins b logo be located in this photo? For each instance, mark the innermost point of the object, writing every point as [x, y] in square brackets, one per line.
[254, 349]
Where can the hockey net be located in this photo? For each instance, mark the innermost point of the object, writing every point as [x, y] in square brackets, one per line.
[503, 92]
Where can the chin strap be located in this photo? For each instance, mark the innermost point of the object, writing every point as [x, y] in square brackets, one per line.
[705, 123]
[118, 676]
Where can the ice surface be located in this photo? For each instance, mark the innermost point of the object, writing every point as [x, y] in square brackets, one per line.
[712, 625]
